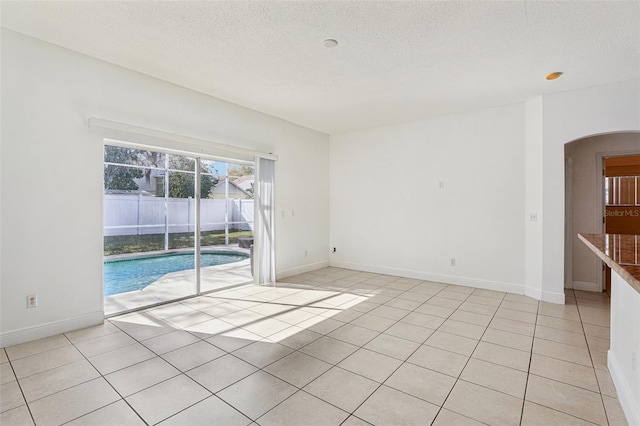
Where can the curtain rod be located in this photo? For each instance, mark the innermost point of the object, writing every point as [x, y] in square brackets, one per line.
[197, 143]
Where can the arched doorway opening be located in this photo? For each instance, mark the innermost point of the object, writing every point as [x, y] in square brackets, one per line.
[584, 201]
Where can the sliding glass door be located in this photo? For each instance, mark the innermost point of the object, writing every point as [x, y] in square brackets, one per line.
[172, 224]
[226, 223]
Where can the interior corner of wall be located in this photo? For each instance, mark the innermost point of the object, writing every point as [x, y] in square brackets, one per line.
[553, 297]
[586, 286]
[286, 273]
[533, 292]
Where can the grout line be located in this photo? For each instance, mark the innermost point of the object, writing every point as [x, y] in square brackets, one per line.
[336, 366]
[564, 413]
[526, 384]
[122, 398]
[26, 403]
[465, 364]
[377, 290]
[606, 415]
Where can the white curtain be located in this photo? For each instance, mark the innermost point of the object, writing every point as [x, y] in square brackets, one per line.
[264, 268]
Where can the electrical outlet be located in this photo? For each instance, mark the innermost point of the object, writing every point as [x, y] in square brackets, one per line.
[32, 301]
[533, 217]
[334, 250]
[453, 261]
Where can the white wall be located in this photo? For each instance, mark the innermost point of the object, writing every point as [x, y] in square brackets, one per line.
[498, 165]
[623, 355]
[495, 243]
[389, 215]
[586, 200]
[47, 95]
[568, 116]
[533, 202]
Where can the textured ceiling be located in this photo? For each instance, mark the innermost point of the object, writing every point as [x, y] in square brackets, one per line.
[396, 61]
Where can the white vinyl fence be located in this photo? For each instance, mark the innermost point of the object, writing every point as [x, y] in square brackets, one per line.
[127, 214]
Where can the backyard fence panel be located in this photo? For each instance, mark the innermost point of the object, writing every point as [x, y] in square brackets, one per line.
[242, 212]
[151, 212]
[212, 214]
[180, 215]
[131, 214]
[120, 210]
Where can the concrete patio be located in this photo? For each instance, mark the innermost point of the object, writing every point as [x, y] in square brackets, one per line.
[177, 285]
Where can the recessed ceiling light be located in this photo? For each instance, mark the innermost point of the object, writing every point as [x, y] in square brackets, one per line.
[329, 43]
[554, 75]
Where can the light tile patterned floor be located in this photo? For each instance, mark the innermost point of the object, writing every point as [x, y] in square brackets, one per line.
[330, 347]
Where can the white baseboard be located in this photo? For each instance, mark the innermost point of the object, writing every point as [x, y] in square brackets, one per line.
[545, 296]
[41, 331]
[552, 297]
[427, 276]
[586, 286]
[301, 269]
[630, 407]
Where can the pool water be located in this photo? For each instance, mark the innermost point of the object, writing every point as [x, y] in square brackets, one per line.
[121, 276]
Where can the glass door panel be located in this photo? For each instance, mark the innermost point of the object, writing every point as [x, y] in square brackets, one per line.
[148, 228]
[181, 228]
[157, 208]
[226, 236]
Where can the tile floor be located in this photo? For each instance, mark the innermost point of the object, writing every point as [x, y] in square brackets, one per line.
[330, 347]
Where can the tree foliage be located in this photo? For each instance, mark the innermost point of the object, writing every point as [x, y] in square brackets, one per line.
[181, 184]
[119, 177]
[241, 171]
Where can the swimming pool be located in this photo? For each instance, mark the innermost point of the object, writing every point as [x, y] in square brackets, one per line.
[125, 275]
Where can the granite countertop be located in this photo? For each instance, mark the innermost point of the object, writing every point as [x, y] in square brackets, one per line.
[620, 252]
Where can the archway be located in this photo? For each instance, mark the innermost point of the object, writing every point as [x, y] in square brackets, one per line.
[584, 201]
